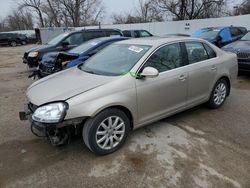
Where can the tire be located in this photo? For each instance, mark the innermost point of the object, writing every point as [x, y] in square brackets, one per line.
[219, 94]
[13, 43]
[107, 135]
[23, 42]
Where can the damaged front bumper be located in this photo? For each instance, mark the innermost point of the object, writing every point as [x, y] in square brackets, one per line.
[56, 132]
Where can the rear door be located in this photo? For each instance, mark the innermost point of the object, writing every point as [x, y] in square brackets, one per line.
[202, 70]
[167, 93]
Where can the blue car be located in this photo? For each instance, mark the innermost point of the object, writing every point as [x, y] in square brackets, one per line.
[56, 61]
[220, 36]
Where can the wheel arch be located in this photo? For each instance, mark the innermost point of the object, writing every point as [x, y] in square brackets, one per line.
[226, 78]
[122, 108]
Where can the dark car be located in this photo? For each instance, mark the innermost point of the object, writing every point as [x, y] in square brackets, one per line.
[64, 42]
[12, 39]
[242, 49]
[220, 36]
[32, 38]
[56, 61]
[136, 33]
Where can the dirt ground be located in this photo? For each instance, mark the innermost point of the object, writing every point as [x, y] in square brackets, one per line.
[196, 148]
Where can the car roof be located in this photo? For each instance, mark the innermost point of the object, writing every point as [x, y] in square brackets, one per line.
[115, 37]
[156, 41]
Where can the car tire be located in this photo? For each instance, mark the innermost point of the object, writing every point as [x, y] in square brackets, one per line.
[13, 43]
[106, 132]
[219, 94]
[24, 42]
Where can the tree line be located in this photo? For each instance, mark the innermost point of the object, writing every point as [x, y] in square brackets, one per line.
[77, 13]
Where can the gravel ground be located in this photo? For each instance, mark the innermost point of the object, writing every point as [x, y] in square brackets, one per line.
[196, 148]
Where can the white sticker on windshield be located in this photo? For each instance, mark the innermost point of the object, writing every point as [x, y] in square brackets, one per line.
[135, 49]
[94, 43]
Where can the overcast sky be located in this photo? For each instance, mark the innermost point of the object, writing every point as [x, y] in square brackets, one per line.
[112, 6]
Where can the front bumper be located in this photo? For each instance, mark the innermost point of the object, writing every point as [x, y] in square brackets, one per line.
[44, 128]
[244, 65]
[30, 61]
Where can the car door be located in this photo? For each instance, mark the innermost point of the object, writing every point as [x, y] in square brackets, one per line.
[202, 70]
[167, 93]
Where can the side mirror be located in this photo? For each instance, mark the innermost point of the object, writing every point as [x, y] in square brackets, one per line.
[149, 72]
[65, 43]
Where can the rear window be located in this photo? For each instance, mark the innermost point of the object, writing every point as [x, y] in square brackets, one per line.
[211, 53]
[196, 52]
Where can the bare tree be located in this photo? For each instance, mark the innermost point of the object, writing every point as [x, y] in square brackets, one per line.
[191, 9]
[243, 8]
[19, 20]
[36, 5]
[145, 11]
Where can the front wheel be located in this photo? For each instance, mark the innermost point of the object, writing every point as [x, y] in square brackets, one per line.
[13, 43]
[107, 131]
[219, 94]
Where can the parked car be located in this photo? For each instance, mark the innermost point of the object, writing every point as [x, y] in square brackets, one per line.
[56, 61]
[242, 49]
[64, 42]
[136, 33]
[220, 36]
[32, 38]
[129, 84]
[12, 39]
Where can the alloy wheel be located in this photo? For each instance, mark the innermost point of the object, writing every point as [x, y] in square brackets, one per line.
[110, 132]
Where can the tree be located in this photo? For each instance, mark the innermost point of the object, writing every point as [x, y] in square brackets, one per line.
[244, 8]
[35, 5]
[191, 9]
[145, 11]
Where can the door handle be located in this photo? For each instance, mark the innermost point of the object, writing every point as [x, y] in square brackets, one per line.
[214, 68]
[182, 77]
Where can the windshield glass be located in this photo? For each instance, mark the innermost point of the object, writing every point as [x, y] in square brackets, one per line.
[84, 47]
[116, 59]
[246, 36]
[57, 39]
[210, 34]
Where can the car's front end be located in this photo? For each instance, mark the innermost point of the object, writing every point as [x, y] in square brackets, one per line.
[242, 49]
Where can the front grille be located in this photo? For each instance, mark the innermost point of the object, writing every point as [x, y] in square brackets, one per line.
[46, 69]
[32, 107]
[243, 55]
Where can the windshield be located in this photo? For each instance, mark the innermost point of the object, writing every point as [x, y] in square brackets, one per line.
[246, 36]
[84, 47]
[116, 59]
[210, 34]
[57, 39]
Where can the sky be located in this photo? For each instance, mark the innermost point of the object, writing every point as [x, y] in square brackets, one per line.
[112, 6]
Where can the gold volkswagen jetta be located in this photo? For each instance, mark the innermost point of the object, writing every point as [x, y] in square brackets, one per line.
[127, 85]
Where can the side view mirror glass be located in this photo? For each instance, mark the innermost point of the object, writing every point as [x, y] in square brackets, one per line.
[149, 72]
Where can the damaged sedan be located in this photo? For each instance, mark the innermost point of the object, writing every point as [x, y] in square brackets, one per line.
[128, 84]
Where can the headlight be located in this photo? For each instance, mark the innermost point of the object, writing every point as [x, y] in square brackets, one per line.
[51, 113]
[33, 54]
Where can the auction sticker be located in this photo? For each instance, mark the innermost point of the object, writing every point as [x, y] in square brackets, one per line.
[135, 49]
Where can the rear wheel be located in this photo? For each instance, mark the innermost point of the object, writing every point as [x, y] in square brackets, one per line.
[219, 94]
[107, 131]
[13, 43]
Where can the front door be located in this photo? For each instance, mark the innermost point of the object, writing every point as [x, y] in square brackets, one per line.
[167, 93]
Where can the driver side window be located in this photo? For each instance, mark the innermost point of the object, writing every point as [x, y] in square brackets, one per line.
[166, 58]
[74, 39]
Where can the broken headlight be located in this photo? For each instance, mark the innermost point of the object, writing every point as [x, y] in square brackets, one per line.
[50, 113]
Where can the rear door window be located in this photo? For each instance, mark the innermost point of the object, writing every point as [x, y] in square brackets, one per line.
[196, 52]
[211, 53]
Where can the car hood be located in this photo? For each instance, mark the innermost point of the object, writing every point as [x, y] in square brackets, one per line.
[64, 85]
[40, 48]
[238, 45]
